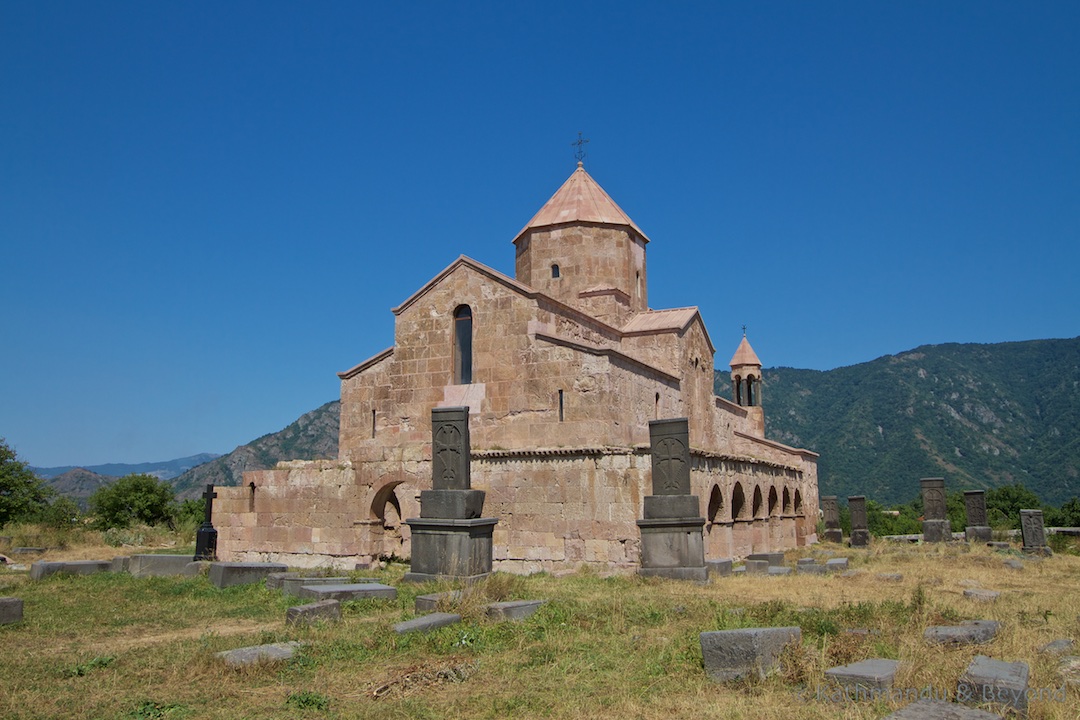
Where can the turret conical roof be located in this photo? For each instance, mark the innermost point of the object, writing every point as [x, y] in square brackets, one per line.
[580, 199]
[744, 355]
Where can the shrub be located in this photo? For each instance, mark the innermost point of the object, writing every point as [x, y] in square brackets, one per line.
[133, 499]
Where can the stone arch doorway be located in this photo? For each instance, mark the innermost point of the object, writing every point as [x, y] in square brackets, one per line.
[758, 504]
[386, 508]
[716, 504]
[738, 502]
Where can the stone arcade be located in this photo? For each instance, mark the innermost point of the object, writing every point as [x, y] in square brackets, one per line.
[561, 367]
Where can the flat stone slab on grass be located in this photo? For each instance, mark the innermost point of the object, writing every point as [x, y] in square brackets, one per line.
[348, 591]
[756, 567]
[718, 568]
[514, 610]
[771, 558]
[11, 610]
[836, 564]
[227, 574]
[275, 652]
[1014, 563]
[162, 565]
[41, 570]
[291, 585]
[969, 632]
[779, 570]
[875, 673]
[940, 710]
[324, 610]
[890, 577]
[1058, 647]
[427, 623]
[988, 680]
[430, 603]
[750, 652]
[811, 568]
[981, 595]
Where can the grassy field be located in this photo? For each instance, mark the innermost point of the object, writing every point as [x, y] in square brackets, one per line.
[113, 646]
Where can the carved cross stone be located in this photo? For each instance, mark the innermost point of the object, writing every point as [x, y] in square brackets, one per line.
[831, 511]
[209, 496]
[975, 507]
[933, 497]
[450, 451]
[670, 448]
[1032, 529]
[857, 504]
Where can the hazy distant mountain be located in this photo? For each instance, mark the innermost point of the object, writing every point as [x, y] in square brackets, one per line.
[314, 436]
[166, 470]
[79, 483]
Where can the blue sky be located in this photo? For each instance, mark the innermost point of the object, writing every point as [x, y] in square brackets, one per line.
[208, 209]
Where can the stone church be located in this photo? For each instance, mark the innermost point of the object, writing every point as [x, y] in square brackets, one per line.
[562, 367]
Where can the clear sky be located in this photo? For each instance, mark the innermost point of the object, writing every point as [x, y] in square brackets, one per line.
[207, 210]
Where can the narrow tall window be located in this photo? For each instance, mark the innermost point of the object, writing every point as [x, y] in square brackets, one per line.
[463, 345]
[561, 415]
[554, 271]
[373, 422]
[251, 497]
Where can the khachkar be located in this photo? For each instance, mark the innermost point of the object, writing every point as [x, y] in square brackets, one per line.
[935, 527]
[206, 535]
[450, 540]
[1033, 532]
[976, 529]
[672, 544]
[831, 511]
[860, 531]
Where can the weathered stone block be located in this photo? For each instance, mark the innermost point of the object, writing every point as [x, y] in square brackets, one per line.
[756, 567]
[811, 569]
[673, 548]
[427, 623]
[322, 611]
[969, 632]
[352, 591]
[874, 673]
[718, 568]
[161, 565]
[771, 558]
[836, 564]
[992, 681]
[1064, 646]
[40, 570]
[751, 652]
[515, 610]
[226, 574]
[671, 506]
[450, 548]
[981, 595]
[455, 504]
[834, 535]
[778, 570]
[978, 533]
[291, 585]
[275, 652]
[430, 603]
[940, 710]
[120, 564]
[936, 531]
[11, 610]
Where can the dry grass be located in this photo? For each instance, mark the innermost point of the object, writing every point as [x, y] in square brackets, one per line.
[111, 646]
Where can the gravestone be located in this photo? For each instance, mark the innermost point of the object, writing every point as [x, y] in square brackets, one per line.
[450, 539]
[322, 611]
[747, 653]
[427, 623]
[873, 673]
[348, 591]
[992, 681]
[161, 565]
[256, 654]
[11, 610]
[831, 512]
[968, 632]
[1033, 532]
[935, 525]
[976, 529]
[672, 544]
[860, 531]
[227, 574]
[927, 709]
[513, 610]
[206, 536]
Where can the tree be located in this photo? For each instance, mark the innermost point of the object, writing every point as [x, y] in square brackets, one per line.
[22, 494]
[1003, 504]
[133, 499]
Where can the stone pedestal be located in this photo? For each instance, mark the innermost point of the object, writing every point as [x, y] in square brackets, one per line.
[979, 534]
[834, 535]
[860, 538]
[672, 541]
[936, 531]
[450, 541]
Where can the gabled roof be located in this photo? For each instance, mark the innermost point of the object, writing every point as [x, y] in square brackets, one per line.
[580, 199]
[744, 355]
[674, 320]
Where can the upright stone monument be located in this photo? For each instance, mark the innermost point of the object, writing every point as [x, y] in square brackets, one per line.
[976, 529]
[935, 527]
[831, 511]
[206, 536]
[1033, 532]
[672, 544]
[450, 540]
[860, 531]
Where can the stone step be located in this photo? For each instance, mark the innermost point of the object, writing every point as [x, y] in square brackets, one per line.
[227, 574]
[514, 610]
[348, 591]
[324, 610]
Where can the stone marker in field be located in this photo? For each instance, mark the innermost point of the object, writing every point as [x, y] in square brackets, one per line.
[274, 652]
[41, 569]
[977, 529]
[322, 611]
[935, 527]
[872, 674]
[206, 536]
[225, 574]
[928, 709]
[831, 512]
[11, 610]
[291, 585]
[1033, 532]
[161, 565]
[860, 531]
[672, 544]
[450, 539]
[750, 652]
[968, 632]
[348, 591]
[992, 681]
[513, 610]
[427, 623]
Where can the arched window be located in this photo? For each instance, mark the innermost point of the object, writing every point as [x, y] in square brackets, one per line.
[757, 503]
[751, 391]
[774, 502]
[787, 501]
[738, 390]
[738, 502]
[716, 503]
[555, 271]
[463, 345]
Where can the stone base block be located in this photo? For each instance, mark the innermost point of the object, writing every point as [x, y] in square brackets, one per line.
[430, 603]
[936, 531]
[836, 564]
[121, 563]
[860, 538]
[349, 591]
[834, 535]
[1043, 551]
[673, 547]
[451, 504]
[811, 568]
[450, 549]
[514, 610]
[11, 610]
[161, 565]
[718, 568]
[875, 674]
[771, 558]
[657, 507]
[751, 652]
[275, 652]
[756, 567]
[992, 681]
[226, 574]
[322, 611]
[41, 570]
[969, 632]
[427, 623]
[940, 710]
[978, 533]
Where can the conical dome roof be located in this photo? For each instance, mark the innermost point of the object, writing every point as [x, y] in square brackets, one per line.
[745, 355]
[580, 199]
